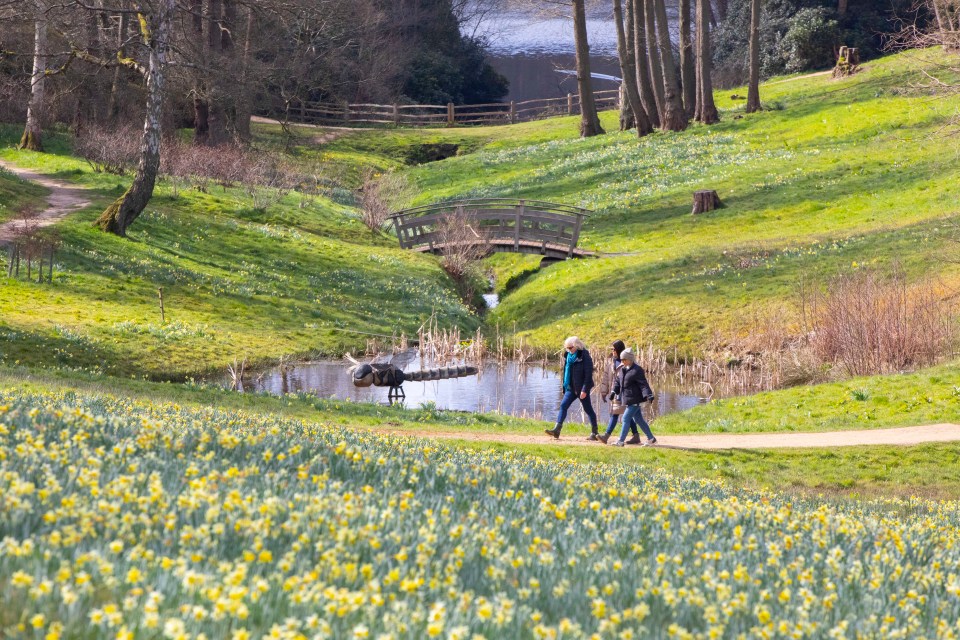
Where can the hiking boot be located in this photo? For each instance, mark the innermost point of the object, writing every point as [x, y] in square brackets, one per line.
[634, 440]
[619, 443]
[650, 442]
[603, 438]
[553, 432]
[593, 437]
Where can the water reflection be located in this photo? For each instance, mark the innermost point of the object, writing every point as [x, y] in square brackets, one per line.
[525, 391]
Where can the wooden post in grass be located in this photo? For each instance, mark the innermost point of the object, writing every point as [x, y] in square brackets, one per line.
[50, 268]
[451, 115]
[11, 256]
[396, 115]
[513, 112]
[705, 200]
[569, 104]
[163, 318]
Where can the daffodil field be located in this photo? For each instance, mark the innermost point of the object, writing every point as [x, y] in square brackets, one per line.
[121, 519]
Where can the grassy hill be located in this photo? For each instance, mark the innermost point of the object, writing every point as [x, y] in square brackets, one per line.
[301, 277]
[834, 174]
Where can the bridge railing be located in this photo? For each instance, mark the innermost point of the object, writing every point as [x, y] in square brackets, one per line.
[522, 226]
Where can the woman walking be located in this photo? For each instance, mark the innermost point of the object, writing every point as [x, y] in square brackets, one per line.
[632, 387]
[577, 383]
[606, 388]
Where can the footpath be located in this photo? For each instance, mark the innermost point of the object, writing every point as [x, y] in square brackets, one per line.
[63, 200]
[575, 435]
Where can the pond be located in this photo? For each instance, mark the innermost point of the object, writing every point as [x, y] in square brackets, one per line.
[530, 391]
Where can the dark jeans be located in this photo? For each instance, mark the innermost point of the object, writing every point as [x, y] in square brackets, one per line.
[633, 414]
[568, 398]
[613, 424]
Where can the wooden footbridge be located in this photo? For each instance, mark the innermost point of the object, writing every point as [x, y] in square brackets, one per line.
[493, 225]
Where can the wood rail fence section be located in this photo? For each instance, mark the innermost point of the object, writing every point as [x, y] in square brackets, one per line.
[498, 224]
[436, 115]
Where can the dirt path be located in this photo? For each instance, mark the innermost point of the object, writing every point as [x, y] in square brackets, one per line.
[327, 134]
[63, 200]
[808, 75]
[575, 435]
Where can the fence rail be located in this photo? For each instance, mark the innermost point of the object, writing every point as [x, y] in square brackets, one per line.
[500, 224]
[431, 115]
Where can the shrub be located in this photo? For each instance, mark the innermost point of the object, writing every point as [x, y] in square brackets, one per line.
[109, 150]
[866, 323]
[810, 40]
[380, 195]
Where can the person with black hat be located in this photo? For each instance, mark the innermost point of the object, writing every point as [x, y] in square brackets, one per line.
[632, 387]
[606, 388]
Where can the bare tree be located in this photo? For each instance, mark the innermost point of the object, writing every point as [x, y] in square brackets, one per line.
[32, 132]
[636, 15]
[628, 71]
[674, 117]
[753, 90]
[653, 56]
[589, 119]
[156, 21]
[706, 109]
[688, 70]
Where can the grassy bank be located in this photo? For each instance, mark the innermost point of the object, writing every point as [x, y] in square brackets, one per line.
[17, 195]
[834, 175]
[299, 277]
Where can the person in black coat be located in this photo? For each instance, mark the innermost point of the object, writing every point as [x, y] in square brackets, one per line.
[632, 387]
[577, 384]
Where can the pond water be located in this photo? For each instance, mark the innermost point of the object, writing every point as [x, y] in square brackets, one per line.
[530, 391]
[533, 49]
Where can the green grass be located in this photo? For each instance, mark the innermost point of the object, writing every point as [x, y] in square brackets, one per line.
[17, 195]
[237, 282]
[834, 174]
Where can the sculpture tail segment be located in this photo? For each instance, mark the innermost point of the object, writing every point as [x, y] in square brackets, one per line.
[443, 373]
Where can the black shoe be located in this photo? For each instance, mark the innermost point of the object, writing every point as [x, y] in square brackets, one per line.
[593, 437]
[553, 432]
[634, 440]
[603, 438]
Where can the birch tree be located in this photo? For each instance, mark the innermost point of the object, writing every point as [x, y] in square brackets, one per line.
[156, 22]
[32, 132]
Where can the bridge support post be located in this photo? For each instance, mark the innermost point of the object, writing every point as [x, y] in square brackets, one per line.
[518, 222]
[576, 233]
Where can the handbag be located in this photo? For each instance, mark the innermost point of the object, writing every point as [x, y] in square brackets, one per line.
[616, 407]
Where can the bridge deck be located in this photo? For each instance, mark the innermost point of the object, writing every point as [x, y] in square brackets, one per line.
[495, 225]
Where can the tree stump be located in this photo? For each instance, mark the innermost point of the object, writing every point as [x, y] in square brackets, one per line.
[848, 62]
[705, 200]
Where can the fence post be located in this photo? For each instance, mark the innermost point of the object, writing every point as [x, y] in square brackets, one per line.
[576, 233]
[516, 229]
[346, 113]
[569, 104]
[451, 115]
[396, 115]
[513, 112]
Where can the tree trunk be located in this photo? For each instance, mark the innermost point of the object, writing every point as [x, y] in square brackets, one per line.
[244, 109]
[707, 109]
[653, 55]
[628, 72]
[589, 120]
[32, 138]
[156, 29]
[675, 118]
[229, 24]
[626, 113]
[113, 106]
[841, 7]
[753, 90]
[705, 200]
[688, 70]
[722, 6]
[635, 12]
[213, 24]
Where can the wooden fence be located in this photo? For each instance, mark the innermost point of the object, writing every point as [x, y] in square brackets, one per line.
[436, 115]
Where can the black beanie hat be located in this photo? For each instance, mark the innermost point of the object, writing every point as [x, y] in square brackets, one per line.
[618, 346]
